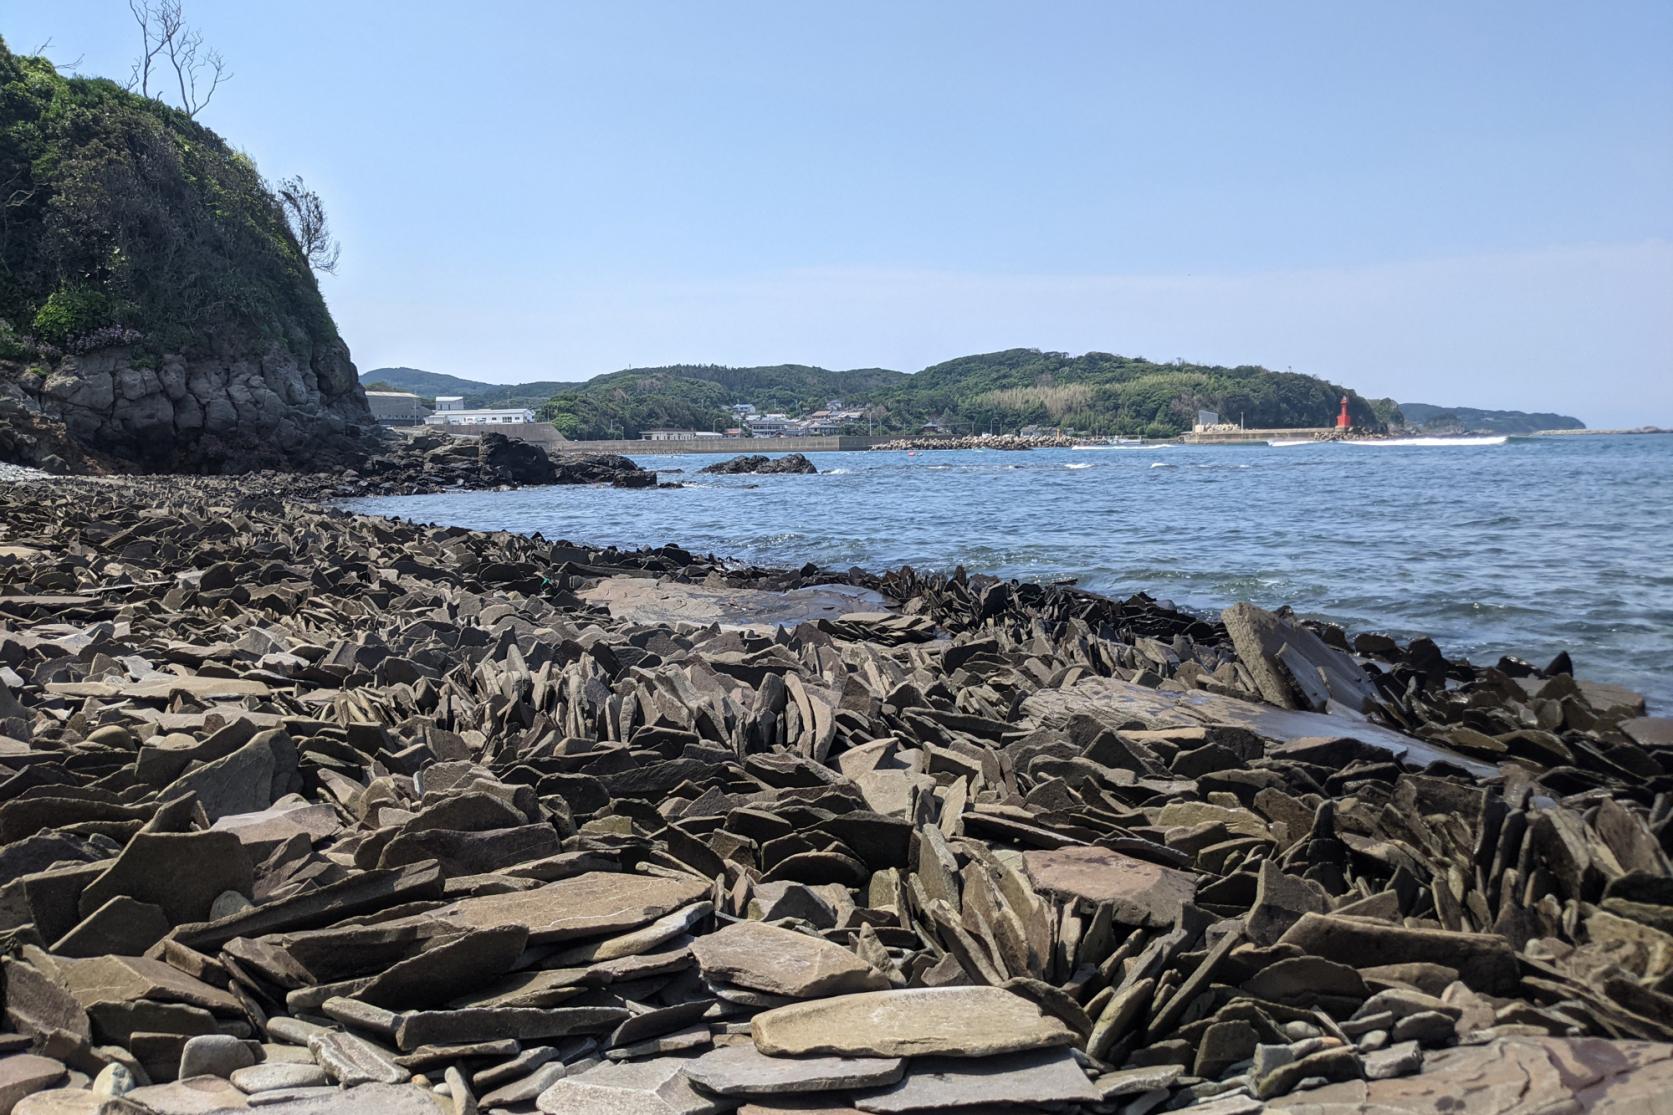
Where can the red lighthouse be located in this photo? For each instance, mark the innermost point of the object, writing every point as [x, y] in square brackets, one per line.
[1342, 420]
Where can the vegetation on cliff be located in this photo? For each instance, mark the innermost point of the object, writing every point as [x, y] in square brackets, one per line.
[123, 220]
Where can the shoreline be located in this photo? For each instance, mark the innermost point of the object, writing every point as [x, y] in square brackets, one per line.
[1171, 841]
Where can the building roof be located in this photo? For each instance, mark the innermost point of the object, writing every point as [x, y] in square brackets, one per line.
[391, 395]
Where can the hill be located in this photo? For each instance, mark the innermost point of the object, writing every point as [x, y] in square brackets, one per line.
[155, 308]
[1441, 419]
[476, 393]
[1096, 392]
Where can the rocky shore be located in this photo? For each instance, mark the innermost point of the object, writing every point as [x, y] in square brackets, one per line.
[313, 812]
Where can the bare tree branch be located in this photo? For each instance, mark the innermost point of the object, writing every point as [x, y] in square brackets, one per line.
[164, 31]
[305, 214]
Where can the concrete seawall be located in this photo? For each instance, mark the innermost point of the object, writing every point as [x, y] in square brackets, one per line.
[1238, 437]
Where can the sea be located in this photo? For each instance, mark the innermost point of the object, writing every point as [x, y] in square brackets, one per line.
[1526, 547]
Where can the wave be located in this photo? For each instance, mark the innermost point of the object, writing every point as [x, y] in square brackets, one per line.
[1079, 464]
[1162, 464]
[837, 471]
[1491, 439]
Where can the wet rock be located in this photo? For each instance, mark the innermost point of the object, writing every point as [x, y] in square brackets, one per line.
[758, 462]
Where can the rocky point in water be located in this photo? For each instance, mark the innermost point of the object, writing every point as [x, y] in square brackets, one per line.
[759, 462]
[309, 811]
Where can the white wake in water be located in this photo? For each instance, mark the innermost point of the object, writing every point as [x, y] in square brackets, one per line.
[1492, 439]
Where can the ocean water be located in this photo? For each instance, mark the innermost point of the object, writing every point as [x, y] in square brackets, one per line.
[1527, 548]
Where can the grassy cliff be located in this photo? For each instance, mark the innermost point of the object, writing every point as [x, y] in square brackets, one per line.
[122, 220]
[156, 312]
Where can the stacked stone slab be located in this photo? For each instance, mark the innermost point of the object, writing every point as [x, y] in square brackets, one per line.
[317, 812]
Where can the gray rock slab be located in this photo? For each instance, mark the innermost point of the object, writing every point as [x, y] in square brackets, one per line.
[23, 1073]
[951, 1021]
[267, 1077]
[1044, 1076]
[1140, 892]
[743, 1070]
[783, 962]
[655, 1087]
[589, 905]
[643, 600]
[1117, 702]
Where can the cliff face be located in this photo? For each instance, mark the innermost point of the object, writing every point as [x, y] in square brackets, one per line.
[156, 313]
[210, 414]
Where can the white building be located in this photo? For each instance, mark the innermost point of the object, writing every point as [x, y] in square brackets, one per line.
[395, 408]
[675, 435]
[456, 416]
[450, 402]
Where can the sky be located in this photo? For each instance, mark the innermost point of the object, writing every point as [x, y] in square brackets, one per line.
[1466, 204]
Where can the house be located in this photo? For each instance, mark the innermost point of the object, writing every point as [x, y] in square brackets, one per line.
[450, 402]
[457, 416]
[768, 425]
[395, 408]
[821, 427]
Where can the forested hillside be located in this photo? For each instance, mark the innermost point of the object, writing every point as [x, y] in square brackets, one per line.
[1096, 392]
[1446, 420]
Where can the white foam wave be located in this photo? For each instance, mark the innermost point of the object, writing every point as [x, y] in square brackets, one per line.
[1426, 442]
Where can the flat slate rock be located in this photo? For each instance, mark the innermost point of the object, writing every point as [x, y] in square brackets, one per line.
[589, 905]
[743, 1070]
[1040, 1076]
[951, 1021]
[1139, 892]
[654, 1087]
[783, 962]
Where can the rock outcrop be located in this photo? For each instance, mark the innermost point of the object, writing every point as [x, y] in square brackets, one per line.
[211, 415]
[760, 462]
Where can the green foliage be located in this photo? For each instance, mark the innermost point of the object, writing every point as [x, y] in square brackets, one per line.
[1388, 412]
[77, 311]
[119, 210]
[1096, 393]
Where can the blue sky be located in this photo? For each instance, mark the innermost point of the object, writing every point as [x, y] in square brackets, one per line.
[1456, 203]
